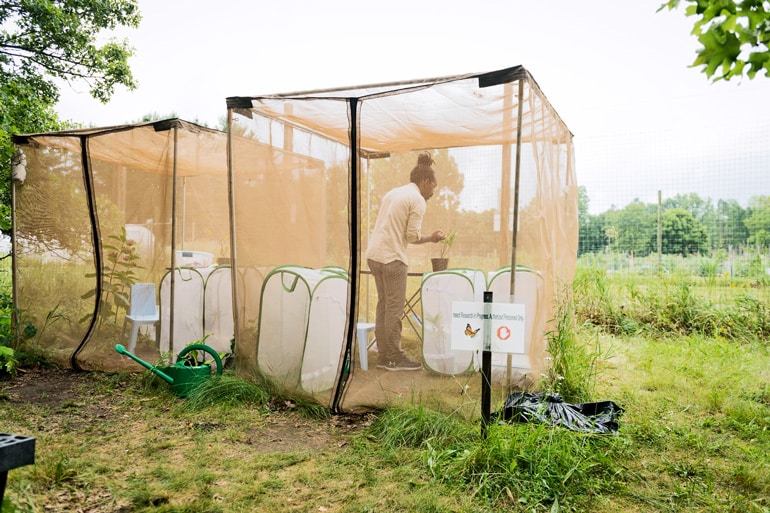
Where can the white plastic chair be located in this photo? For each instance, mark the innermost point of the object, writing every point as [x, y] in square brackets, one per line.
[142, 311]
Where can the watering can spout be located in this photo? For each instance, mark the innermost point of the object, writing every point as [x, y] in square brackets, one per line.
[122, 350]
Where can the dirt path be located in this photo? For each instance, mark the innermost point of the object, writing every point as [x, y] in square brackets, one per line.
[282, 432]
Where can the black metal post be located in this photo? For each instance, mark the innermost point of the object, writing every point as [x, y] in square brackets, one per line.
[486, 365]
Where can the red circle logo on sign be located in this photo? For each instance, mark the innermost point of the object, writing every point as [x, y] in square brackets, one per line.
[503, 333]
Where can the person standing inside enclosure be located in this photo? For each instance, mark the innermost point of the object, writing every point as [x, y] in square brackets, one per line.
[399, 223]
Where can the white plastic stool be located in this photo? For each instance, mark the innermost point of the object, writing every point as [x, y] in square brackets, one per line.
[362, 333]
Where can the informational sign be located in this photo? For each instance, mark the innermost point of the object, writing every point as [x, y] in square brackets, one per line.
[506, 325]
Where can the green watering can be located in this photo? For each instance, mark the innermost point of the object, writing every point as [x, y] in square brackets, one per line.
[182, 377]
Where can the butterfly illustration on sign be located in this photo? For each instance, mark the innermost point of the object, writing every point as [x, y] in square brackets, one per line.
[470, 331]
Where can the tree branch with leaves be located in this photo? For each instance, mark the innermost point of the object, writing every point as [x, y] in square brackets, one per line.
[58, 38]
[735, 36]
[43, 41]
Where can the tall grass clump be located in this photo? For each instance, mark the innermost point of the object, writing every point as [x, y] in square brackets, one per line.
[226, 391]
[709, 269]
[530, 467]
[674, 308]
[572, 369]
[678, 309]
[533, 466]
[599, 302]
[231, 392]
[751, 317]
[415, 426]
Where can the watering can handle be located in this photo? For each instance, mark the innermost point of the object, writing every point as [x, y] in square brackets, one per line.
[204, 348]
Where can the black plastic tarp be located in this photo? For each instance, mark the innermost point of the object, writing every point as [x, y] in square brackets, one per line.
[598, 417]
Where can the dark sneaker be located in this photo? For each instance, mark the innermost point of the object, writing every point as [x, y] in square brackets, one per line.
[402, 365]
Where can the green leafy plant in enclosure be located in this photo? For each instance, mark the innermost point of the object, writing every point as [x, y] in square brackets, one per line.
[196, 357]
[446, 244]
[118, 275]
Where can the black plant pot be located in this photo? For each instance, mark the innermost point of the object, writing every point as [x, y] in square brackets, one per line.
[439, 264]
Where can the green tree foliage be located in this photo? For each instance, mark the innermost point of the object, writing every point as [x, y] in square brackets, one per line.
[44, 41]
[590, 228]
[631, 229]
[48, 39]
[735, 36]
[702, 211]
[758, 221]
[729, 228]
[723, 225]
[694, 204]
[681, 233]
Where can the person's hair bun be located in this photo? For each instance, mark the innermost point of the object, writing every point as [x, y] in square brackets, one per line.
[424, 159]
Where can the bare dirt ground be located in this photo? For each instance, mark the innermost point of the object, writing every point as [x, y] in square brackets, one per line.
[43, 386]
[56, 403]
[54, 388]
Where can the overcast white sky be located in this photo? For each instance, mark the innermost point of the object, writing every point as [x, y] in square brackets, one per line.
[616, 71]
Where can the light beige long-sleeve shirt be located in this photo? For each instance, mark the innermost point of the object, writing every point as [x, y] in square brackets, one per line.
[399, 222]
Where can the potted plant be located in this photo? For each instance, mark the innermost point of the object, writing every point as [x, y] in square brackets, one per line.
[442, 262]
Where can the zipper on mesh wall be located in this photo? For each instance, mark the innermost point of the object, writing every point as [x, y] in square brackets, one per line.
[97, 248]
[347, 360]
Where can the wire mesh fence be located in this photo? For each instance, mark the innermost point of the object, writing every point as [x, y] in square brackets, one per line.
[677, 202]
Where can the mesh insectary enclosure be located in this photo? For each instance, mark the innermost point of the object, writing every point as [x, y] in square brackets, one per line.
[309, 193]
[257, 235]
[103, 208]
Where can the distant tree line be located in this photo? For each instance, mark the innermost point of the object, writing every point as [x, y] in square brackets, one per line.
[687, 224]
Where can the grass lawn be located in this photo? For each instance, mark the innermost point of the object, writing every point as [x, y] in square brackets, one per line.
[693, 377]
[694, 437]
